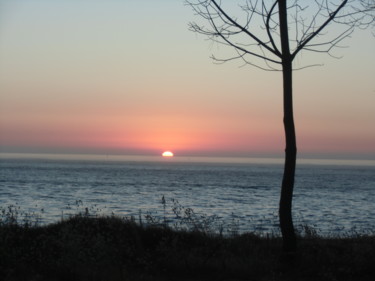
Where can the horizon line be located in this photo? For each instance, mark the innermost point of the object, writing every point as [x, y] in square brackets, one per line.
[186, 159]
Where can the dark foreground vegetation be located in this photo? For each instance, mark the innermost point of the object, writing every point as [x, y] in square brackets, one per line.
[112, 248]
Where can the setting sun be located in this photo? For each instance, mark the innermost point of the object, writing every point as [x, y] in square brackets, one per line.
[167, 154]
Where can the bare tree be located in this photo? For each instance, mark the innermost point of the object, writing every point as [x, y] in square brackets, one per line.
[269, 34]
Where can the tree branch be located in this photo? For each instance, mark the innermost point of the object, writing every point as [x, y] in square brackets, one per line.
[269, 29]
[260, 42]
[315, 33]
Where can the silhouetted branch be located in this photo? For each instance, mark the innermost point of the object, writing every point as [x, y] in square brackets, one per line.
[319, 30]
[227, 30]
[243, 29]
[328, 46]
[268, 28]
[309, 19]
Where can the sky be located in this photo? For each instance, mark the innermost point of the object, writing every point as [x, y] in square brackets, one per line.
[128, 77]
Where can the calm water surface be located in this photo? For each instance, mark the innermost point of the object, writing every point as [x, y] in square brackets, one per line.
[335, 199]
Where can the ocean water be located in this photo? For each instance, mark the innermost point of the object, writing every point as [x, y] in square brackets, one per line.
[335, 199]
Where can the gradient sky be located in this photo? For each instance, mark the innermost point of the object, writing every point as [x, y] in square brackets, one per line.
[127, 77]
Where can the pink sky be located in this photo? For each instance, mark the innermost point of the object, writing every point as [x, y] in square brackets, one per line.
[121, 77]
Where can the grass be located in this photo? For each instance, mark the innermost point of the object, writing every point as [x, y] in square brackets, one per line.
[85, 247]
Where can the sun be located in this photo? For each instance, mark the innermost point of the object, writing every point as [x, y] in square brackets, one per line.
[167, 154]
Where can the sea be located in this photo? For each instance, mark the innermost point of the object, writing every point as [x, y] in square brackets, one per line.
[221, 194]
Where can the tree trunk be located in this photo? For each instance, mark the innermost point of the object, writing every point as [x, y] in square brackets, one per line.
[285, 207]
